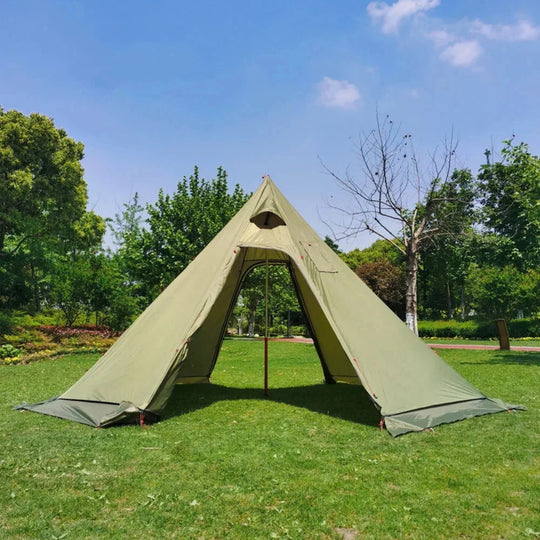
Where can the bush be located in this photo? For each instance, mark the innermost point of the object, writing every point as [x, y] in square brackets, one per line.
[299, 330]
[457, 329]
[477, 329]
[520, 328]
[30, 339]
[278, 330]
[5, 324]
[25, 337]
[9, 351]
[123, 310]
[62, 332]
[45, 317]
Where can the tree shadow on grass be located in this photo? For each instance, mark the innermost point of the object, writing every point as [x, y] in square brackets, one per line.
[522, 358]
[348, 402]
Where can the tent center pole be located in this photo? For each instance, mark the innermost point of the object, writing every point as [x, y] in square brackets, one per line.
[266, 329]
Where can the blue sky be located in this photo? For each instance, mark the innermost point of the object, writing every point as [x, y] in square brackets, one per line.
[154, 88]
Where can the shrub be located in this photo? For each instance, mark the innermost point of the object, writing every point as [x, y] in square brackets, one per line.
[9, 351]
[278, 330]
[520, 328]
[453, 329]
[299, 330]
[45, 317]
[59, 333]
[477, 329]
[21, 336]
[5, 324]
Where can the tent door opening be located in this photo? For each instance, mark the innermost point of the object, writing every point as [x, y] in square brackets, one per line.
[264, 262]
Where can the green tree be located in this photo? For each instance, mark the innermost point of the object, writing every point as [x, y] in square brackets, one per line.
[90, 286]
[70, 287]
[110, 297]
[181, 225]
[42, 190]
[502, 292]
[71, 259]
[42, 206]
[444, 261]
[332, 244]
[379, 250]
[530, 292]
[127, 229]
[251, 296]
[510, 191]
[283, 306]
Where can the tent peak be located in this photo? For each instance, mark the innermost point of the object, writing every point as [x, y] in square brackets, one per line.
[268, 200]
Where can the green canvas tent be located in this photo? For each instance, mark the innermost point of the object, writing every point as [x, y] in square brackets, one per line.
[358, 339]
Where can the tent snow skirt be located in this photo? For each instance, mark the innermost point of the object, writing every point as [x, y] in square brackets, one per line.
[359, 340]
[429, 417]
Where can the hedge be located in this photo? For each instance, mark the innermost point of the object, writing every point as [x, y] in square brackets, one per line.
[524, 328]
[474, 329]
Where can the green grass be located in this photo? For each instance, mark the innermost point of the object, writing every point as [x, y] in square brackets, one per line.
[306, 462]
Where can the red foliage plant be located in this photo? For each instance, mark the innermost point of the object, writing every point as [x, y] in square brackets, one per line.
[62, 332]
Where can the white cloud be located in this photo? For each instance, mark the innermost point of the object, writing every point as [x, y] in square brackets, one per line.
[521, 31]
[462, 42]
[392, 15]
[462, 53]
[441, 38]
[340, 94]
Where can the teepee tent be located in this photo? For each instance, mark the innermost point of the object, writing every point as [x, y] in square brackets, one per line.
[358, 339]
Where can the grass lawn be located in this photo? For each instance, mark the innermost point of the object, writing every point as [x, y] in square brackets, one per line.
[306, 462]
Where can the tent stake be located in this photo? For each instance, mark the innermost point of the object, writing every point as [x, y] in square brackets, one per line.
[266, 330]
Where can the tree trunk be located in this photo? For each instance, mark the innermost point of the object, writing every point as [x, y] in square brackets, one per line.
[288, 323]
[411, 295]
[251, 330]
[462, 302]
[2, 235]
[35, 290]
[240, 321]
[449, 307]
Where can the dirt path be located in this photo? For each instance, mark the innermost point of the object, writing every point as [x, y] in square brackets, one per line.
[481, 347]
[434, 345]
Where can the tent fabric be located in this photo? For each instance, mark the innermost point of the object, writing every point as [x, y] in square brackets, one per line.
[358, 338]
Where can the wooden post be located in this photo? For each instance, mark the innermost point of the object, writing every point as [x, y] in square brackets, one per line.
[503, 335]
[266, 330]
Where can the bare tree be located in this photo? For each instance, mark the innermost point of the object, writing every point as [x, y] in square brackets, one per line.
[395, 200]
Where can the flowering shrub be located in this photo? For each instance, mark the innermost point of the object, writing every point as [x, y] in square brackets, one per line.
[59, 333]
[47, 341]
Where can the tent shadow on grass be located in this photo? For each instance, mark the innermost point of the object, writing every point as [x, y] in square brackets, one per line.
[347, 402]
[521, 358]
